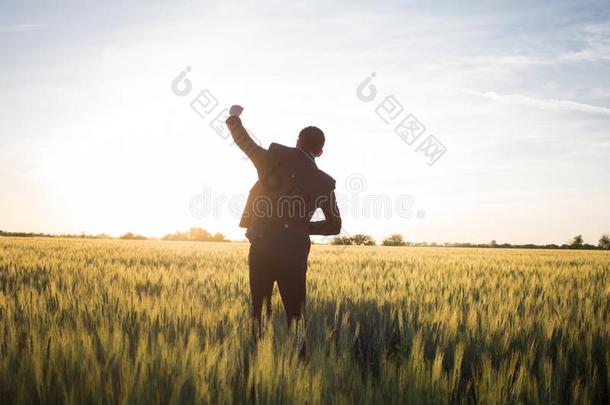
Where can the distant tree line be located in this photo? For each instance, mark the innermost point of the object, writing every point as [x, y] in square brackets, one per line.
[49, 235]
[196, 234]
[397, 239]
[193, 234]
[357, 239]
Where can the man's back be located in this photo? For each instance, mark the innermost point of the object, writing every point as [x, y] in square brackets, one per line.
[289, 189]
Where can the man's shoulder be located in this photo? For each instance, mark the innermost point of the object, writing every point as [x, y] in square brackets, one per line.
[328, 180]
[277, 151]
[280, 148]
[321, 178]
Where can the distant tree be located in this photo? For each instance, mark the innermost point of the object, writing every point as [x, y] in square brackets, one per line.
[363, 240]
[133, 236]
[577, 242]
[178, 236]
[604, 241]
[342, 240]
[395, 239]
[493, 244]
[199, 234]
[196, 235]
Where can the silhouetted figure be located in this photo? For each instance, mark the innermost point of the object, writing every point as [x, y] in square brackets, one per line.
[278, 214]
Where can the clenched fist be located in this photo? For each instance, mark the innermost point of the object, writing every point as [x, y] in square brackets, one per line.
[236, 110]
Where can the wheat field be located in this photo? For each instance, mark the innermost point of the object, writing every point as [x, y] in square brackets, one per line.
[145, 322]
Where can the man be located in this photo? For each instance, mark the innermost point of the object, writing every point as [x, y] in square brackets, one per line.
[278, 214]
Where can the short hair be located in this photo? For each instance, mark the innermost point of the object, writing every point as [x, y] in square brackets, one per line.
[312, 139]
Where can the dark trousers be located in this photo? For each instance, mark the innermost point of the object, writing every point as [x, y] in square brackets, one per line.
[283, 261]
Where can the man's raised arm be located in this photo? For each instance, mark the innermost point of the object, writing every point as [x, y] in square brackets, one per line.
[242, 138]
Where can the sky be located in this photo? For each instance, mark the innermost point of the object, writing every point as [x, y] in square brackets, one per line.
[100, 133]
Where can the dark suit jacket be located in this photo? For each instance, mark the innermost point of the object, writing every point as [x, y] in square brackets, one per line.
[289, 189]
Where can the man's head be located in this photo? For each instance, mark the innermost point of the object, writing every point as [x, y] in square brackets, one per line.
[311, 139]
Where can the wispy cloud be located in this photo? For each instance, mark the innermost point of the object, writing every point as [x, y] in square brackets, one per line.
[597, 43]
[547, 104]
[14, 28]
